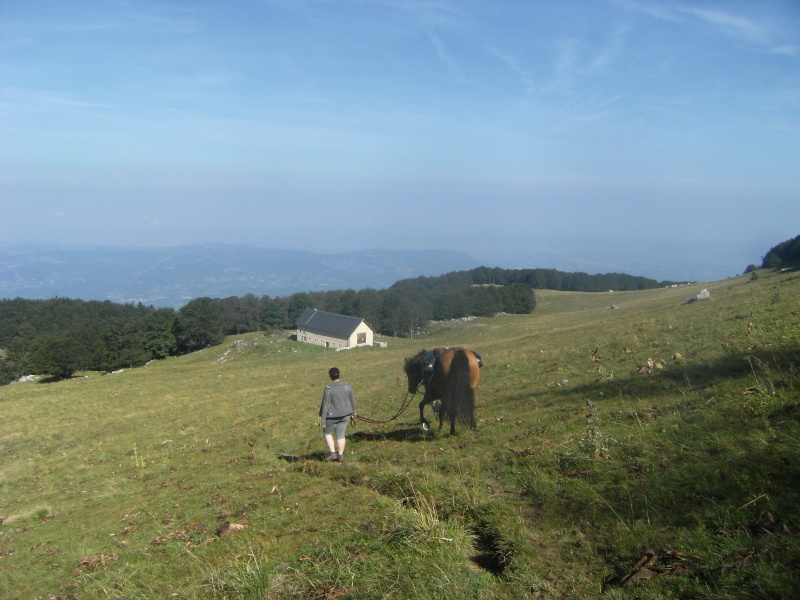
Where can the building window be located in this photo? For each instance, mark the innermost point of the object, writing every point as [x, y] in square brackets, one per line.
[362, 338]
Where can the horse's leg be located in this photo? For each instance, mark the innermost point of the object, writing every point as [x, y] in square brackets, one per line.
[472, 423]
[474, 379]
[425, 400]
[446, 411]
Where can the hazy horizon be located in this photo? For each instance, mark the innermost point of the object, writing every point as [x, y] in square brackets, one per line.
[569, 261]
[654, 139]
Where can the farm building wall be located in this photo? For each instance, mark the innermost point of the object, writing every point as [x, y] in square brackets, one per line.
[362, 336]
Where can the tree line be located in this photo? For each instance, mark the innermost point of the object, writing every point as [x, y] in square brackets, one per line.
[62, 336]
[784, 255]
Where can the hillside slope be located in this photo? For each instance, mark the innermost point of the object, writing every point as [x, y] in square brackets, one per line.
[651, 449]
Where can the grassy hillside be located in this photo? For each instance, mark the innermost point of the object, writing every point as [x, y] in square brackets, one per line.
[650, 450]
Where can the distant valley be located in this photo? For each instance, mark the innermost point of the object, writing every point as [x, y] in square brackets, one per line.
[171, 276]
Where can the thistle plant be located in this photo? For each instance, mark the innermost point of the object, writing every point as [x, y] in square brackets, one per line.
[594, 443]
[138, 461]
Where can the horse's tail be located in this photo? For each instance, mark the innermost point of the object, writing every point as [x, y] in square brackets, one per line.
[459, 397]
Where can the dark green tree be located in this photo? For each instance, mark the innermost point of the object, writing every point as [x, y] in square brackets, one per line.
[7, 374]
[403, 314]
[368, 305]
[785, 254]
[159, 341]
[273, 313]
[87, 346]
[347, 302]
[54, 355]
[14, 361]
[199, 324]
[520, 299]
[125, 345]
[297, 304]
[487, 301]
[448, 304]
[79, 348]
[241, 314]
[249, 317]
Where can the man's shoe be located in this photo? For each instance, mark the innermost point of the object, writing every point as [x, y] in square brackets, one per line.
[340, 458]
[332, 456]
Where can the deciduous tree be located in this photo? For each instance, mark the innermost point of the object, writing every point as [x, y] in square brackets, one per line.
[199, 324]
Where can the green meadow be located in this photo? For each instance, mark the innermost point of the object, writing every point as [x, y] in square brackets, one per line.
[629, 445]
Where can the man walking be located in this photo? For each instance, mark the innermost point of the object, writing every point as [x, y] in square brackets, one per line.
[338, 405]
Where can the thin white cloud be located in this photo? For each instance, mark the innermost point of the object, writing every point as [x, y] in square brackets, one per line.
[754, 31]
[735, 25]
[166, 20]
[446, 58]
[787, 49]
[512, 63]
[757, 32]
[613, 47]
[43, 100]
[657, 11]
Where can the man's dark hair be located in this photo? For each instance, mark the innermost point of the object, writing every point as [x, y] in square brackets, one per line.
[334, 373]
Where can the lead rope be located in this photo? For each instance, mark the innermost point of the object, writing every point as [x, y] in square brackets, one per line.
[406, 403]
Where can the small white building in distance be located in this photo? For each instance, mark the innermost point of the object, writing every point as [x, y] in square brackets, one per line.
[332, 330]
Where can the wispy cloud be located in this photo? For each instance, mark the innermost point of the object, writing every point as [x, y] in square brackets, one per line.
[567, 55]
[787, 49]
[446, 58]
[528, 83]
[756, 32]
[752, 30]
[735, 25]
[43, 100]
[656, 11]
[612, 48]
[140, 19]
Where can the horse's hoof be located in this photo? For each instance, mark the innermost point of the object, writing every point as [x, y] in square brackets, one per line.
[425, 427]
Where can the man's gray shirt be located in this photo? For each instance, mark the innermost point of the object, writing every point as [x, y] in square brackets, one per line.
[338, 400]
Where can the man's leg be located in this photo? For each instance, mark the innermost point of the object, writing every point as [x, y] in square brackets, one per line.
[331, 446]
[340, 438]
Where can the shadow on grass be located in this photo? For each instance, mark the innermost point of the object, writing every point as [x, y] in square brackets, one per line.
[708, 462]
[776, 364]
[406, 434]
[55, 379]
[303, 457]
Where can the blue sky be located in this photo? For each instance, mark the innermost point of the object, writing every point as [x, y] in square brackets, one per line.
[653, 138]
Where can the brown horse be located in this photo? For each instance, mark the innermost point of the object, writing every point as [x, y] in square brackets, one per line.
[450, 375]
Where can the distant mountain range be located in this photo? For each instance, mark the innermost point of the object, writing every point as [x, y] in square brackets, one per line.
[171, 276]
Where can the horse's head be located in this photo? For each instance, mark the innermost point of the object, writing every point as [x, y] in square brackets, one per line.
[413, 368]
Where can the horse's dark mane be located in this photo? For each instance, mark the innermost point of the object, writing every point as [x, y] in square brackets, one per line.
[414, 360]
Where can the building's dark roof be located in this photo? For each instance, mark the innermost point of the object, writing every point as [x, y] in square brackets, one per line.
[319, 320]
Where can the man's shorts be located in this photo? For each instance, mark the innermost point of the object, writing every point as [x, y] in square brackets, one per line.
[336, 424]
